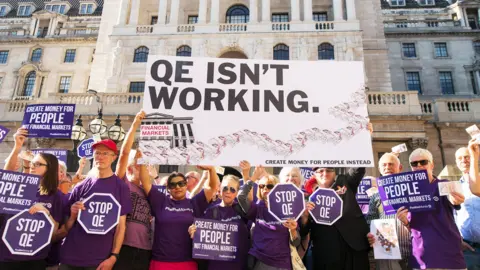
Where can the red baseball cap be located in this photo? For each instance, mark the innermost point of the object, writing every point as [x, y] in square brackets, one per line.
[107, 143]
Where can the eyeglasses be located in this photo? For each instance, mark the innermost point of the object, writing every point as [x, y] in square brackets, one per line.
[325, 171]
[269, 186]
[191, 177]
[38, 164]
[173, 185]
[103, 154]
[232, 189]
[421, 162]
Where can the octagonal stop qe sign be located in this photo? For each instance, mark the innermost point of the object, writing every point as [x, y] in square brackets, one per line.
[328, 206]
[285, 201]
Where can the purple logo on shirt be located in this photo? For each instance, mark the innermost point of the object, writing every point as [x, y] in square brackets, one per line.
[285, 201]
[27, 234]
[3, 133]
[18, 191]
[328, 206]
[409, 189]
[162, 189]
[362, 197]
[215, 240]
[101, 214]
[49, 120]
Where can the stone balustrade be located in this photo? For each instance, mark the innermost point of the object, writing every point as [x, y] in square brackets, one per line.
[232, 27]
[403, 103]
[430, 25]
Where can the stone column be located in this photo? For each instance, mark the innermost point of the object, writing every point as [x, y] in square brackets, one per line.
[202, 12]
[478, 17]
[307, 10]
[266, 11]
[122, 14]
[32, 26]
[351, 13]
[174, 7]
[337, 10]
[253, 11]
[214, 10]
[295, 8]
[162, 12]
[134, 12]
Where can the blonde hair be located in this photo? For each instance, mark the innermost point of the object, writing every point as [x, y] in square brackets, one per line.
[232, 178]
[63, 166]
[284, 172]
[421, 152]
[270, 180]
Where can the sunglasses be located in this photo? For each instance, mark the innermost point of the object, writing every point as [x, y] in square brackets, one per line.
[232, 189]
[173, 185]
[421, 162]
[269, 186]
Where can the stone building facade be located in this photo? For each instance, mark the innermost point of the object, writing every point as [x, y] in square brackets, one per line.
[408, 101]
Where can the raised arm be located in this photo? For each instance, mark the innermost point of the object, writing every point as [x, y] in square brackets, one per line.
[12, 159]
[79, 177]
[127, 145]
[144, 175]
[474, 181]
[213, 182]
[200, 184]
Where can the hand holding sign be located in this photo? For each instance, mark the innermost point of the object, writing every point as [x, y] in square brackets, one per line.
[101, 214]
[20, 136]
[328, 206]
[75, 209]
[285, 202]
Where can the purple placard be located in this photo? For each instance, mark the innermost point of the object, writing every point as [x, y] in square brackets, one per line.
[49, 120]
[328, 206]
[61, 154]
[101, 214]
[409, 189]
[215, 240]
[361, 196]
[286, 202]
[3, 133]
[18, 191]
[307, 172]
[84, 149]
[27, 234]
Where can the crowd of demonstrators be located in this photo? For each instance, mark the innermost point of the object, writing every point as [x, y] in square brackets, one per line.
[389, 164]
[155, 229]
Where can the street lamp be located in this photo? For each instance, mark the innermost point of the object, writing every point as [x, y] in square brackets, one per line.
[78, 131]
[98, 126]
[116, 132]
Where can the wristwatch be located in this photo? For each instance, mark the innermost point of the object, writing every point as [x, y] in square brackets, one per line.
[116, 255]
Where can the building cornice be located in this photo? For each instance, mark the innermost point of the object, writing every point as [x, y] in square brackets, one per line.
[443, 33]
[48, 40]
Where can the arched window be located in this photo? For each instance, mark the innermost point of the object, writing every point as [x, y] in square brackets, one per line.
[36, 55]
[29, 84]
[237, 14]
[184, 51]
[141, 55]
[281, 52]
[326, 52]
[476, 46]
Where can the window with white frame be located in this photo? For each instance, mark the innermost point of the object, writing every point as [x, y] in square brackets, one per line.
[427, 2]
[87, 8]
[56, 8]
[25, 10]
[64, 84]
[397, 3]
[3, 11]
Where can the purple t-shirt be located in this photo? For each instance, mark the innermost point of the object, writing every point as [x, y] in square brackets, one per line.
[54, 203]
[436, 241]
[88, 250]
[54, 254]
[138, 233]
[271, 240]
[171, 242]
[228, 214]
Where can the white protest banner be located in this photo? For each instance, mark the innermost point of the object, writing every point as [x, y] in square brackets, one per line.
[386, 245]
[269, 112]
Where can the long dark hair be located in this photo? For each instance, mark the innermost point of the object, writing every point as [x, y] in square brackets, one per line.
[49, 182]
[175, 174]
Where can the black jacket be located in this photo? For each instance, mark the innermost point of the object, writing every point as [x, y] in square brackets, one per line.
[351, 227]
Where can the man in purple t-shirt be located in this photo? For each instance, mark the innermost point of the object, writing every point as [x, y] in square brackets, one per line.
[83, 251]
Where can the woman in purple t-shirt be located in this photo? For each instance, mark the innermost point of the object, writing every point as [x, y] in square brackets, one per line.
[229, 211]
[172, 246]
[49, 200]
[271, 238]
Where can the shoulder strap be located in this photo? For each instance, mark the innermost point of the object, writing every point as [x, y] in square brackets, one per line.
[215, 213]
